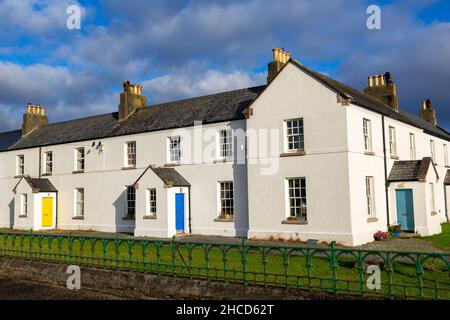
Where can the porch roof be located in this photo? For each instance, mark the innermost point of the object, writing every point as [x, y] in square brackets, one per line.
[38, 184]
[170, 176]
[414, 170]
[447, 178]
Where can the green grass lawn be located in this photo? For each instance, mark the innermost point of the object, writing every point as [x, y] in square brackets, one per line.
[279, 266]
[441, 240]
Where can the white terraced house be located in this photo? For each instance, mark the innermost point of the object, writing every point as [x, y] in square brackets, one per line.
[302, 157]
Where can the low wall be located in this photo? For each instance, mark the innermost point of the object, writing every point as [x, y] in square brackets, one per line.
[135, 285]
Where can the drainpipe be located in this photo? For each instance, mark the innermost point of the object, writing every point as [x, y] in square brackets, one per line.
[446, 203]
[40, 162]
[189, 212]
[386, 184]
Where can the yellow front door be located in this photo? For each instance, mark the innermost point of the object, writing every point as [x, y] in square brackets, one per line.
[47, 212]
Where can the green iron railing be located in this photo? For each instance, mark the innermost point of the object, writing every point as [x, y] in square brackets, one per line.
[416, 275]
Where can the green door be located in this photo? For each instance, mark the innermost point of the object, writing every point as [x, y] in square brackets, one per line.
[405, 209]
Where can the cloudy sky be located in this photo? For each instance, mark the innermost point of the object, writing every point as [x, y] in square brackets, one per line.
[179, 49]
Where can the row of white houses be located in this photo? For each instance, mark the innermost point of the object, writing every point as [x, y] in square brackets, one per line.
[303, 157]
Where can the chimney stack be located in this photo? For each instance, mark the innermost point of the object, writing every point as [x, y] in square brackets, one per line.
[33, 118]
[384, 89]
[427, 112]
[280, 58]
[131, 99]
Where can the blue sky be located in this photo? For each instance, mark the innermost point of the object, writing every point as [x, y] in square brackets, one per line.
[179, 49]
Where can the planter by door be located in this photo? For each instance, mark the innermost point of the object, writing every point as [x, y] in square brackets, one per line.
[179, 212]
[405, 209]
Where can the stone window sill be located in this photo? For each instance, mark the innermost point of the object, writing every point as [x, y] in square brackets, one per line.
[369, 153]
[23, 216]
[129, 218]
[19, 176]
[168, 165]
[224, 220]
[395, 157]
[147, 217]
[434, 213]
[129, 168]
[47, 174]
[77, 171]
[293, 154]
[223, 161]
[301, 222]
[78, 218]
[447, 166]
[372, 220]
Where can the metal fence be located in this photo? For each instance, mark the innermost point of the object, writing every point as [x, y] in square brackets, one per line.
[416, 275]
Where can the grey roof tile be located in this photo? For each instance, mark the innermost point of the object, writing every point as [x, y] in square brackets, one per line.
[221, 107]
[414, 170]
[170, 177]
[38, 184]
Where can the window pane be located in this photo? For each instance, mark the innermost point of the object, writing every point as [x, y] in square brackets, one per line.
[297, 198]
[226, 198]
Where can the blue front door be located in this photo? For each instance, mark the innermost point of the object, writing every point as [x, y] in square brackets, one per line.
[179, 211]
[405, 209]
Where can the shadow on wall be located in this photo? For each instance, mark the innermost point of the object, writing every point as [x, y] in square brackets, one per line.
[240, 184]
[11, 213]
[122, 224]
[119, 209]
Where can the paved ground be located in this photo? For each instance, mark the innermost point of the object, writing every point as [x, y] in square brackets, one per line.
[15, 289]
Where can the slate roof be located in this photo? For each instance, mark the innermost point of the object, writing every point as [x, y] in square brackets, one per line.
[414, 170]
[447, 178]
[38, 185]
[168, 175]
[7, 139]
[221, 107]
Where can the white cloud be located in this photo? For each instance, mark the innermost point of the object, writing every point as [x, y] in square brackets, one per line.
[192, 83]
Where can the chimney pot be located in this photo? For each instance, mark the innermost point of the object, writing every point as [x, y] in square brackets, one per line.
[131, 100]
[384, 89]
[280, 58]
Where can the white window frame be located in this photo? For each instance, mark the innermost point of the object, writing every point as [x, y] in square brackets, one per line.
[175, 154]
[367, 134]
[20, 167]
[130, 154]
[296, 198]
[80, 159]
[412, 146]
[79, 203]
[446, 155]
[225, 144]
[433, 150]
[392, 142]
[432, 197]
[48, 162]
[24, 205]
[225, 198]
[151, 202]
[129, 201]
[370, 196]
[291, 136]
